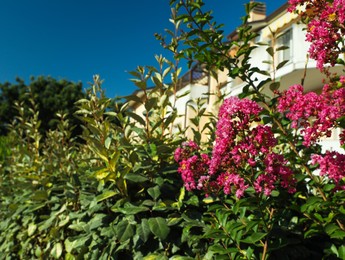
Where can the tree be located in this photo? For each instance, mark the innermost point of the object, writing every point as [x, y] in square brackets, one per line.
[50, 95]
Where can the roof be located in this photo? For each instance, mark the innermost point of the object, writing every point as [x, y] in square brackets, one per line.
[259, 24]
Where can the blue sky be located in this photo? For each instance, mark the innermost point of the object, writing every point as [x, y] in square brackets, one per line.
[75, 39]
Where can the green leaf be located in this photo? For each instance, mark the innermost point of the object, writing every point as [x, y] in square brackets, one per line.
[217, 249]
[249, 253]
[154, 192]
[72, 243]
[64, 221]
[159, 227]
[96, 221]
[329, 187]
[135, 177]
[136, 117]
[173, 221]
[155, 257]
[275, 193]
[79, 226]
[255, 237]
[56, 251]
[339, 234]
[341, 252]
[38, 252]
[69, 256]
[282, 48]
[106, 195]
[208, 200]
[281, 64]
[31, 229]
[124, 230]
[270, 51]
[37, 206]
[274, 86]
[143, 230]
[310, 204]
[129, 209]
[194, 200]
[268, 62]
[107, 142]
[331, 228]
[182, 195]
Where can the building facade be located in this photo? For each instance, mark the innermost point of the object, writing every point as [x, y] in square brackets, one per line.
[278, 29]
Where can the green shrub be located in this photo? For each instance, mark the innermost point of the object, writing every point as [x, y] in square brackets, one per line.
[116, 195]
[119, 193]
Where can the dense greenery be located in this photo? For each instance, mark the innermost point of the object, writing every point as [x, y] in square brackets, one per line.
[116, 195]
[50, 95]
[119, 193]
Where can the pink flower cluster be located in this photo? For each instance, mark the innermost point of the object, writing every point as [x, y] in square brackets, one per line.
[192, 165]
[240, 144]
[332, 165]
[276, 170]
[316, 115]
[228, 180]
[325, 28]
[242, 155]
[235, 115]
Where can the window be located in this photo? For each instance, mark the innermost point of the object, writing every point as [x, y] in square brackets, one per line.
[284, 41]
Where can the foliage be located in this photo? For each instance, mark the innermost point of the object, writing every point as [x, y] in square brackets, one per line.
[266, 199]
[115, 196]
[50, 95]
[137, 189]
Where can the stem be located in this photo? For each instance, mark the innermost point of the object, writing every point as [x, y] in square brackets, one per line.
[264, 252]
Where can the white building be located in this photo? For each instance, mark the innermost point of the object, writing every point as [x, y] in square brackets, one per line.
[280, 28]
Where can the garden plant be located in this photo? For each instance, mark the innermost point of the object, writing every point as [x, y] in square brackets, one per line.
[131, 186]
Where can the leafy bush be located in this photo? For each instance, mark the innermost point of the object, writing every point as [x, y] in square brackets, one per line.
[116, 195]
[247, 192]
[271, 192]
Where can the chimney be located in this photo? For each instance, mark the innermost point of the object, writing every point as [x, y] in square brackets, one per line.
[258, 13]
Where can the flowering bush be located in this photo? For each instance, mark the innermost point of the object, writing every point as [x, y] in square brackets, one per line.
[243, 155]
[331, 165]
[326, 28]
[260, 188]
[271, 190]
[316, 115]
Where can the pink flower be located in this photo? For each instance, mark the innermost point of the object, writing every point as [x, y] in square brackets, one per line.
[192, 171]
[332, 165]
[231, 181]
[316, 115]
[235, 115]
[276, 171]
[325, 24]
